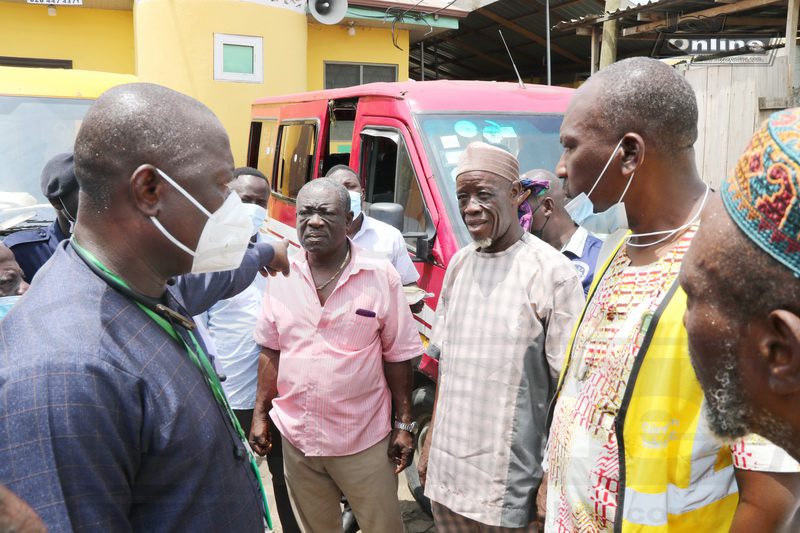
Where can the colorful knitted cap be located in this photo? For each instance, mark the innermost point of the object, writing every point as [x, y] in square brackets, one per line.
[762, 195]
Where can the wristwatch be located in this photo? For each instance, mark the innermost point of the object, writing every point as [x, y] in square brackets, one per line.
[405, 427]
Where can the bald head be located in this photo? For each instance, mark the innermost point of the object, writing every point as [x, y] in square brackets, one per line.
[140, 123]
[645, 96]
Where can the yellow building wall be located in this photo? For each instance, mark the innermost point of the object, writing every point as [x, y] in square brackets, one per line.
[175, 48]
[94, 39]
[368, 45]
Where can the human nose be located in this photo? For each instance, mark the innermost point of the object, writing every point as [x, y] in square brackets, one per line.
[23, 287]
[473, 206]
[561, 167]
[315, 221]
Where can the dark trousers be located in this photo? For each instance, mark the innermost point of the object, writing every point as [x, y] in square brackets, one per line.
[275, 464]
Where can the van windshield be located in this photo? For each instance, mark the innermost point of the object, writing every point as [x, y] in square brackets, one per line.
[32, 130]
[534, 139]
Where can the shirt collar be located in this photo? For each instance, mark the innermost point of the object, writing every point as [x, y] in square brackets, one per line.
[576, 242]
[358, 262]
[366, 226]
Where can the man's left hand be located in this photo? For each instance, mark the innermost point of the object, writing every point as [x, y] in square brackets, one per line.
[401, 449]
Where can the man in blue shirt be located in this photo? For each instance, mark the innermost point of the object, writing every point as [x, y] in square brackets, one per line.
[549, 221]
[33, 247]
[112, 418]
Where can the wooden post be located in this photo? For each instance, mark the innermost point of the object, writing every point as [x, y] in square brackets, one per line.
[792, 76]
[595, 49]
[608, 50]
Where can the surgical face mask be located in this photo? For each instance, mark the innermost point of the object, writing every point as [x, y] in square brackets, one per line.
[581, 208]
[355, 203]
[225, 235]
[6, 303]
[257, 216]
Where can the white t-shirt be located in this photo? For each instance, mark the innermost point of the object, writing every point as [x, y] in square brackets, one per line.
[387, 242]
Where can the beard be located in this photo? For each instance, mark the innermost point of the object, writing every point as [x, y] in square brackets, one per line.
[483, 243]
[728, 410]
[731, 414]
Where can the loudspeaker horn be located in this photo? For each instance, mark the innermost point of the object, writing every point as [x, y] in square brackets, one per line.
[327, 11]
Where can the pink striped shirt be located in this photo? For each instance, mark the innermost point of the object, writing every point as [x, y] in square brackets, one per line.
[333, 396]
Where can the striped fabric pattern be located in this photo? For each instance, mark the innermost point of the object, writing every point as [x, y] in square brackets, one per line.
[333, 397]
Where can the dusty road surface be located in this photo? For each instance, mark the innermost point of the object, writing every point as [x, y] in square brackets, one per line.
[415, 519]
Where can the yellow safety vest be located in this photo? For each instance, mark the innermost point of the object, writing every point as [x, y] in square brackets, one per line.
[674, 476]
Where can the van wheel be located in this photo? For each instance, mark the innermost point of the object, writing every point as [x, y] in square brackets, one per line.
[422, 400]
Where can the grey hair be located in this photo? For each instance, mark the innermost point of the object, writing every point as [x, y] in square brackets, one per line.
[649, 97]
[328, 185]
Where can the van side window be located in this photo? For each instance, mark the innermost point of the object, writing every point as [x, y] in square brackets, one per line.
[261, 152]
[295, 158]
[389, 174]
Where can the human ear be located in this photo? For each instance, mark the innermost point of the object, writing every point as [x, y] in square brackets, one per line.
[146, 187]
[521, 197]
[781, 349]
[633, 149]
[548, 206]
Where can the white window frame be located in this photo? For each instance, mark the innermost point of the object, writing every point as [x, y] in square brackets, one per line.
[257, 43]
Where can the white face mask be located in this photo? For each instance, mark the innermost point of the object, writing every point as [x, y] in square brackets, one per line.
[581, 208]
[257, 216]
[355, 203]
[225, 235]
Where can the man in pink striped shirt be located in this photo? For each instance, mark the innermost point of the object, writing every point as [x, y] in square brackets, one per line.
[337, 337]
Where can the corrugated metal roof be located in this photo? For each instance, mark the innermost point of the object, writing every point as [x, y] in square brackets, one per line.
[476, 51]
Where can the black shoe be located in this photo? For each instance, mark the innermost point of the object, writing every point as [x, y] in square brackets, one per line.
[349, 523]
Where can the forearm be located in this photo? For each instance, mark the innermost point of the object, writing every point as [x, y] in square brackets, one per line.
[767, 501]
[267, 389]
[399, 377]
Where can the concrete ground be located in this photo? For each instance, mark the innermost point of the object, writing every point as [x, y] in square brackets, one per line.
[415, 519]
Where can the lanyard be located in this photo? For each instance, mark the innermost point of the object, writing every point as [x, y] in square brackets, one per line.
[200, 360]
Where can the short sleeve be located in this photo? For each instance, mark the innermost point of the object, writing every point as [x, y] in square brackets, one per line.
[266, 332]
[402, 261]
[399, 338]
[754, 452]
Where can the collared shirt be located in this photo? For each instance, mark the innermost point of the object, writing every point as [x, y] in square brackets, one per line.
[333, 399]
[32, 248]
[387, 242]
[583, 249]
[501, 330]
[105, 422]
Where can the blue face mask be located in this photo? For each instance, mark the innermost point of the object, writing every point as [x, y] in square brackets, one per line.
[355, 203]
[581, 208]
[257, 216]
[6, 303]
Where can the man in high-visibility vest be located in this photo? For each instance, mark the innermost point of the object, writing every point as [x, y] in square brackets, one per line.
[629, 448]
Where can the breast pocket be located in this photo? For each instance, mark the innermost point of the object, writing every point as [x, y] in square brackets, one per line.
[356, 326]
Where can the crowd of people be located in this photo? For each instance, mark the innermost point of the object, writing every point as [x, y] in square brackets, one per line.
[618, 347]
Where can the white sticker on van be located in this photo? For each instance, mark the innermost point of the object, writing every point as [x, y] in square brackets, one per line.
[450, 141]
[465, 128]
[507, 131]
[452, 156]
